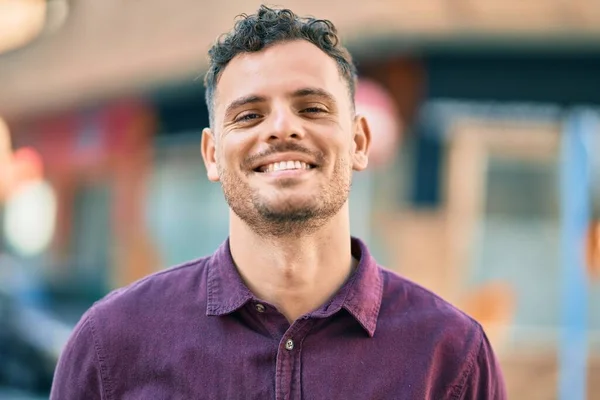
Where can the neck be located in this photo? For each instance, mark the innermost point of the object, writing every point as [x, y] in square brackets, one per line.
[295, 274]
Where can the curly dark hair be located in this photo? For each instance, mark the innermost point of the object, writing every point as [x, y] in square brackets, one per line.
[253, 33]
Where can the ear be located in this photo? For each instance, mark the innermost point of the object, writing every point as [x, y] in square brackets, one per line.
[209, 152]
[362, 141]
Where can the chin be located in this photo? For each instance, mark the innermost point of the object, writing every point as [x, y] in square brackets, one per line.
[291, 200]
[293, 209]
[289, 209]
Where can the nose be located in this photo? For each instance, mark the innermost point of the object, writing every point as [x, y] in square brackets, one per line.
[283, 124]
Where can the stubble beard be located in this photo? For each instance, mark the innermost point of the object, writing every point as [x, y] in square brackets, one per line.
[288, 218]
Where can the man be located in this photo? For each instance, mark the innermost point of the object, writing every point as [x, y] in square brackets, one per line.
[290, 306]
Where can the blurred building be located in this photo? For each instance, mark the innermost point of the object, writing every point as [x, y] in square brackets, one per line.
[471, 102]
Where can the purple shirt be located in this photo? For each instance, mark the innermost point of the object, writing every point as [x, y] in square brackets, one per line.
[197, 332]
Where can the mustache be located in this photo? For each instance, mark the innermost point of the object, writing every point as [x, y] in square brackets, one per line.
[283, 148]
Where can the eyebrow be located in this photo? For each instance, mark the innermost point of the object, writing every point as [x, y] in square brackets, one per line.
[317, 92]
[242, 101]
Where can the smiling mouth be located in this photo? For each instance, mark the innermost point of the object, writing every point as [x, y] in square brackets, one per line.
[284, 166]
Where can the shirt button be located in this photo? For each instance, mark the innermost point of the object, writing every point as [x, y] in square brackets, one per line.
[260, 308]
[289, 344]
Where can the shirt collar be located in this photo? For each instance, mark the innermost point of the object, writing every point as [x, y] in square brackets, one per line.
[361, 295]
[226, 292]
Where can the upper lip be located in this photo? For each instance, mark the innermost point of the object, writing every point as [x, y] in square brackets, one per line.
[278, 157]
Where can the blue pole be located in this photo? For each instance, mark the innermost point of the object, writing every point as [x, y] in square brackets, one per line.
[575, 177]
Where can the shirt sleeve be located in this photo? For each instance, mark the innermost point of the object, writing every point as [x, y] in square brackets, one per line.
[485, 382]
[78, 373]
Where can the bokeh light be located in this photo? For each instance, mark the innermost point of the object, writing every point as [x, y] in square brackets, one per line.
[30, 217]
[20, 22]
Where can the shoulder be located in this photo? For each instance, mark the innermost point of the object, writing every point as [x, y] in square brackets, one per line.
[162, 291]
[439, 334]
[427, 319]
[115, 328]
[403, 297]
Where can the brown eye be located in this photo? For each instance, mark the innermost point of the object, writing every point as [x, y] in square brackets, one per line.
[314, 110]
[247, 117]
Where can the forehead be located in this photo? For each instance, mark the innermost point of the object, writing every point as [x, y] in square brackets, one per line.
[280, 69]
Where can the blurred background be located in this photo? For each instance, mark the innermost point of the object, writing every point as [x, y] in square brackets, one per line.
[484, 183]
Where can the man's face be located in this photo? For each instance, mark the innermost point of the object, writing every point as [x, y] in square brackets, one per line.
[285, 138]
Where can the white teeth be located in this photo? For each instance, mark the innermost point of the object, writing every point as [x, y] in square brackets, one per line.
[286, 165]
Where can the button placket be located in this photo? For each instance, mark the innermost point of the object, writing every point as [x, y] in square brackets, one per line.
[288, 365]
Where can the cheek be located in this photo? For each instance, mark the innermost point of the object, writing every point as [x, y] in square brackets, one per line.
[343, 150]
[223, 160]
[231, 154]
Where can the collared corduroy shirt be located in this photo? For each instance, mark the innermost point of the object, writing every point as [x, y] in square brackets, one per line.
[196, 332]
